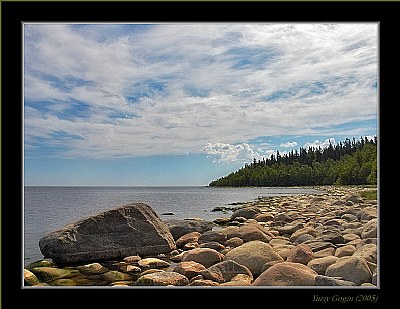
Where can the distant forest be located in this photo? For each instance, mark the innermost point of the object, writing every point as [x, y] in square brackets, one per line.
[349, 162]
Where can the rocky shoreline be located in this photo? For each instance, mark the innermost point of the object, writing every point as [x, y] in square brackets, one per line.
[328, 239]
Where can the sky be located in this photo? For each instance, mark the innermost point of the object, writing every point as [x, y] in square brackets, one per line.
[174, 104]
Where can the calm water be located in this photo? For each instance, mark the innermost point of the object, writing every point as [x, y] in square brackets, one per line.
[49, 208]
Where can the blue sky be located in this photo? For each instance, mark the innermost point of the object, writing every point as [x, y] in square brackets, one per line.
[187, 103]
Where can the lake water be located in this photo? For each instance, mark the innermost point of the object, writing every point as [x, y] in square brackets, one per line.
[46, 209]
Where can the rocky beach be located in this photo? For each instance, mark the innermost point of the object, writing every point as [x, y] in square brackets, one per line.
[327, 239]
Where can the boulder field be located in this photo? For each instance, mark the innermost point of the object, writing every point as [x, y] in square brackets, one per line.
[327, 239]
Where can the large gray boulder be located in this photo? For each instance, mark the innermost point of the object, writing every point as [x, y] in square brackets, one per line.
[132, 229]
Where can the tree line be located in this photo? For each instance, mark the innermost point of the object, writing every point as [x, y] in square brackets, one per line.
[349, 162]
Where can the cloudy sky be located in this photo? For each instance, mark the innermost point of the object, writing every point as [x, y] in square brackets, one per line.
[184, 104]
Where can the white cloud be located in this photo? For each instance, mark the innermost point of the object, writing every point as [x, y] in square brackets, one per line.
[318, 143]
[234, 153]
[173, 88]
[289, 144]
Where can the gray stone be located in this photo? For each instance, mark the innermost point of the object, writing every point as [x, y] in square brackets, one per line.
[331, 236]
[331, 281]
[351, 268]
[320, 265]
[303, 238]
[132, 229]
[246, 212]
[370, 229]
[349, 217]
[367, 251]
[317, 245]
[208, 236]
[179, 228]
[368, 213]
[289, 229]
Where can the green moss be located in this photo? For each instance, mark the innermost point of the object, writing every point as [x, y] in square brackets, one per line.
[369, 194]
[29, 278]
[47, 274]
[63, 282]
[41, 263]
[114, 275]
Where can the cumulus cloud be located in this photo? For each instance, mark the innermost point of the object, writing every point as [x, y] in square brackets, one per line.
[317, 143]
[289, 144]
[132, 90]
[243, 152]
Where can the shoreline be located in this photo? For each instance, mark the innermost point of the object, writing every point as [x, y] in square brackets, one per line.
[339, 214]
[202, 200]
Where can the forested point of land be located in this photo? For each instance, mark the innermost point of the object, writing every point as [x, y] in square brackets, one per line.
[349, 162]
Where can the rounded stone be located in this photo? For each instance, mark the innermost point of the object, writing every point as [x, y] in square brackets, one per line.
[286, 274]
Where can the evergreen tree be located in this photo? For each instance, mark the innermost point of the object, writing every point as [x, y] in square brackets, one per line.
[348, 163]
